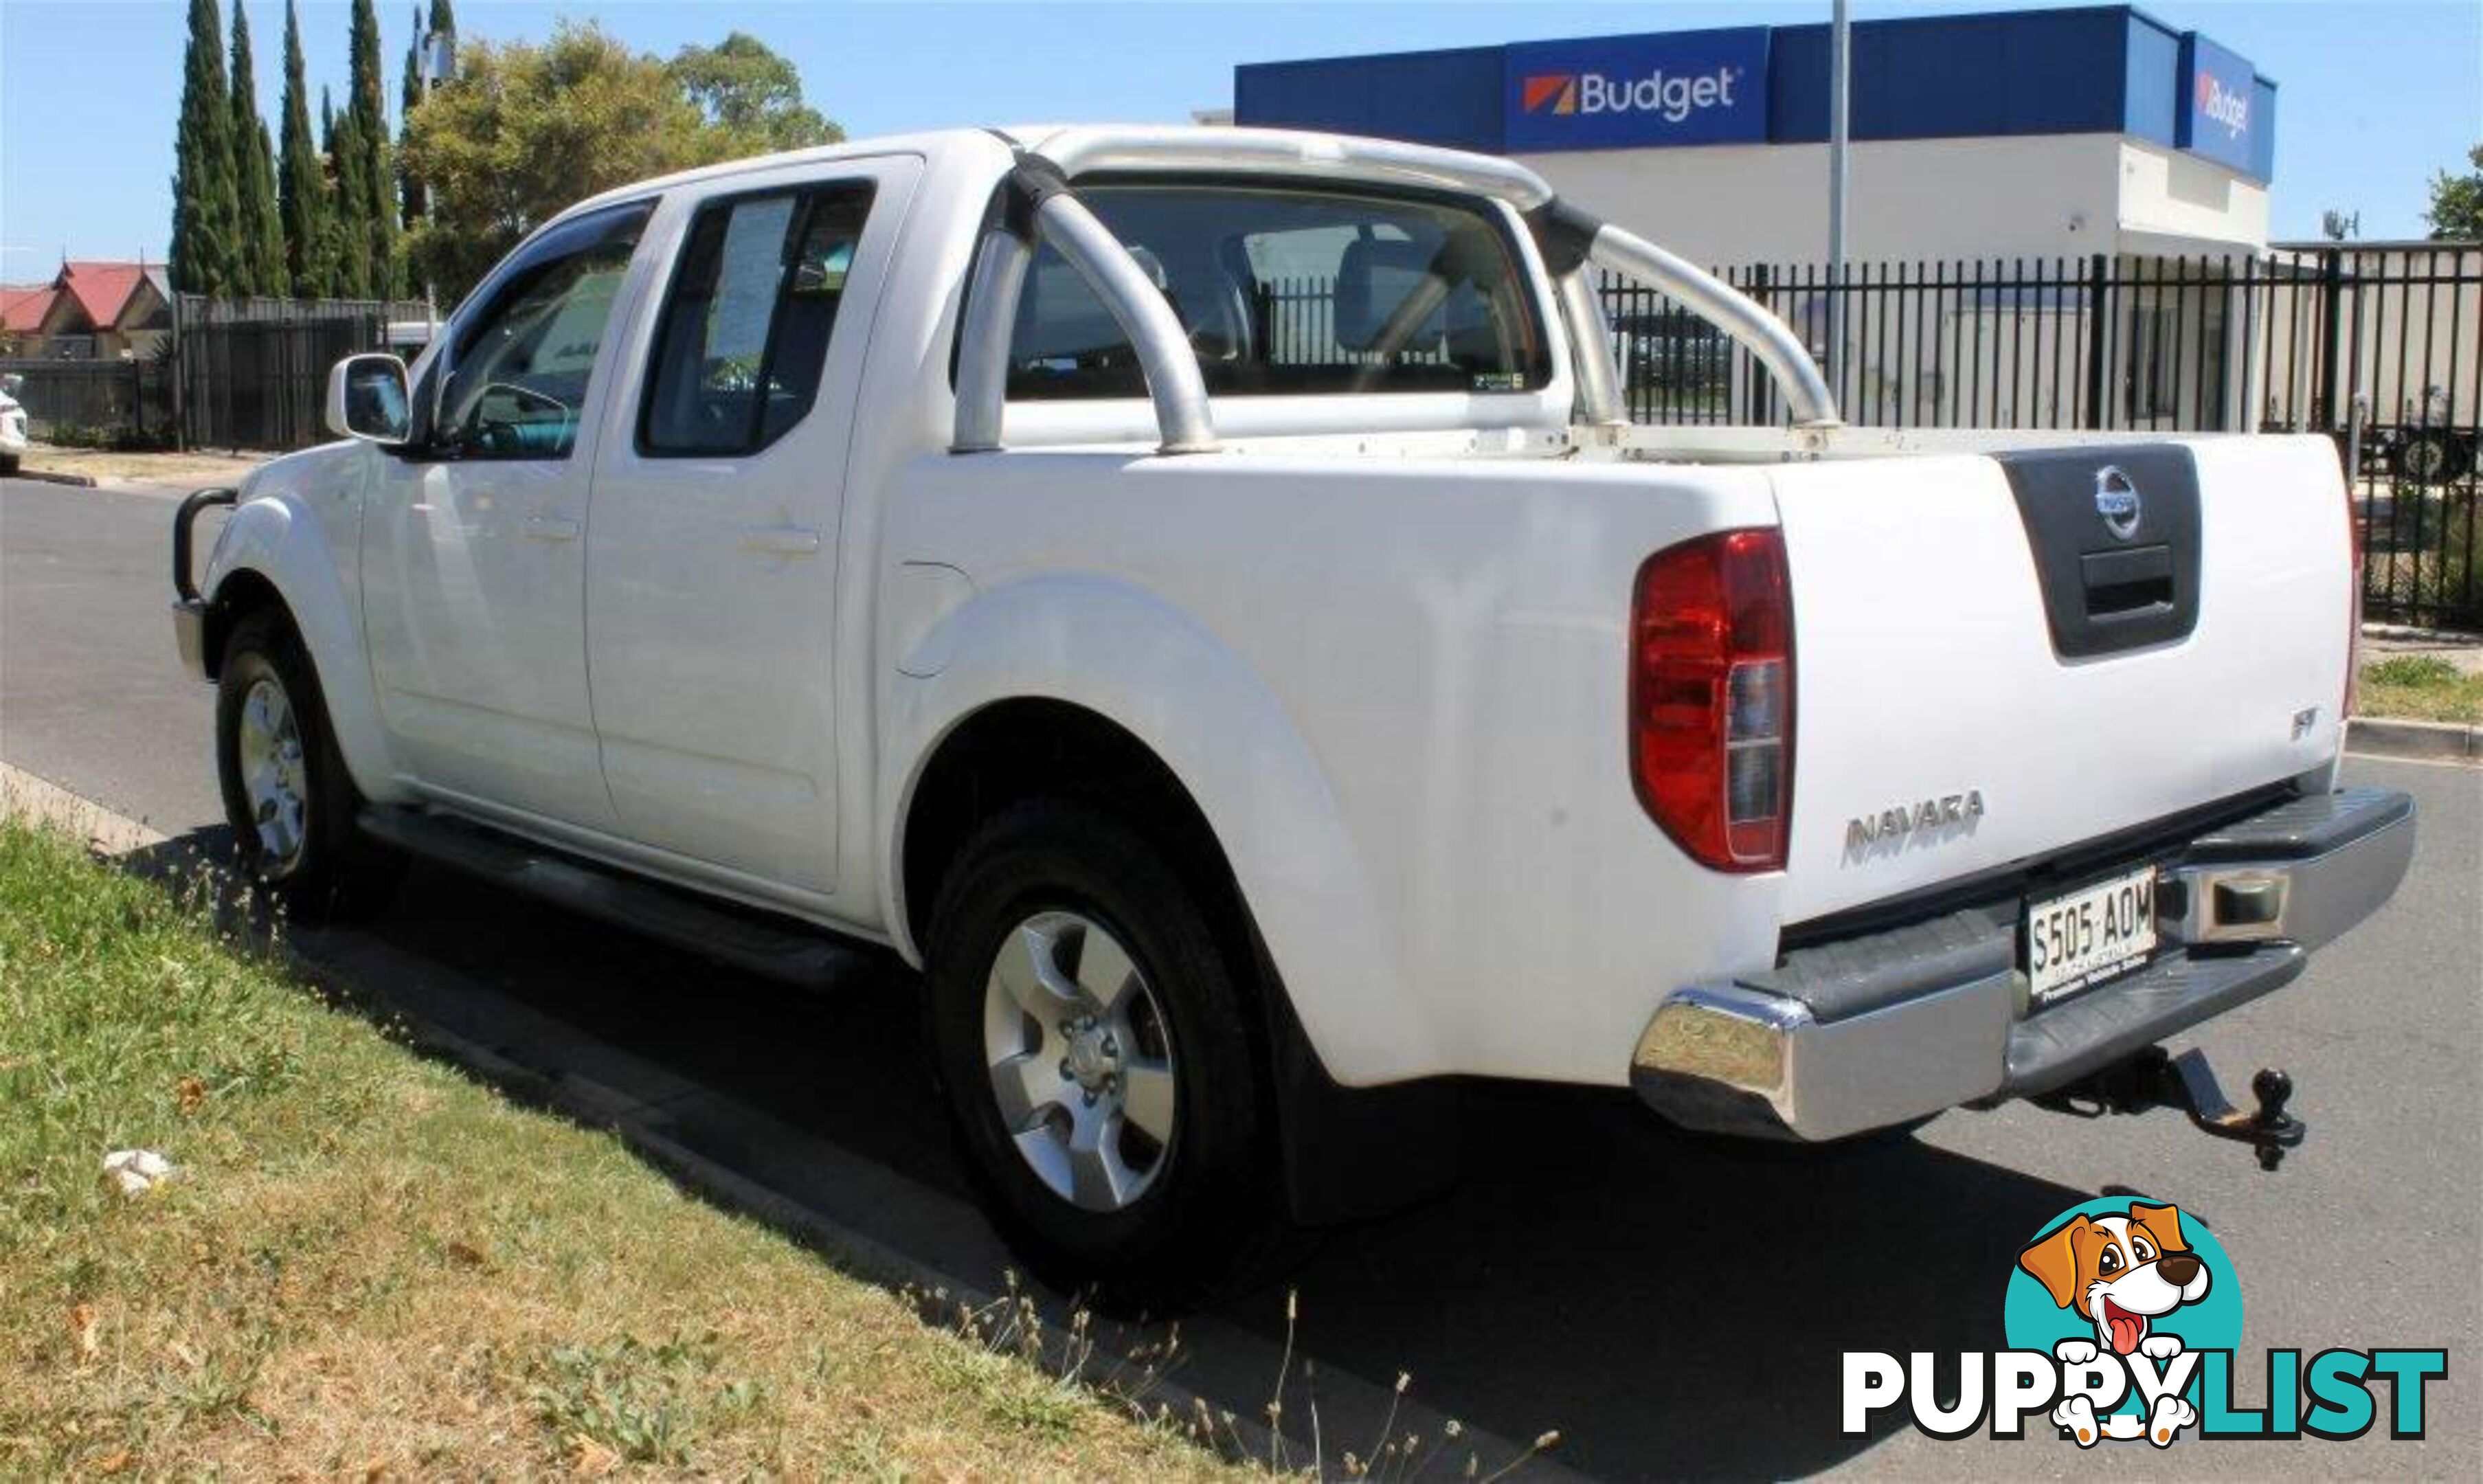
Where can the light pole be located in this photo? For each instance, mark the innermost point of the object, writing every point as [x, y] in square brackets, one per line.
[1840, 69]
[439, 66]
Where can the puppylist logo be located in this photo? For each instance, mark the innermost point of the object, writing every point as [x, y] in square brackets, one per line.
[2123, 1318]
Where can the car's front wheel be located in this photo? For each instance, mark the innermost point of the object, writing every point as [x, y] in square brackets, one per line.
[288, 796]
[1093, 1036]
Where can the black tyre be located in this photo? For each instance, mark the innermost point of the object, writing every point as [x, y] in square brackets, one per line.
[287, 795]
[1094, 1042]
[8, 465]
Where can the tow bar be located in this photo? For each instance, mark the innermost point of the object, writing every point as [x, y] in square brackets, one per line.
[2155, 1078]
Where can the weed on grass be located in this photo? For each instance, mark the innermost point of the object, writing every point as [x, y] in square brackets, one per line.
[368, 1264]
[1134, 1369]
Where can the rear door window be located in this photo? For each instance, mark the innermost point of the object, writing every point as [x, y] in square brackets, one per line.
[744, 333]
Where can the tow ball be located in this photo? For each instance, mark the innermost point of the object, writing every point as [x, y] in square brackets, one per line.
[2155, 1078]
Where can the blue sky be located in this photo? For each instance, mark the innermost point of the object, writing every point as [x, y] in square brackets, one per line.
[2374, 97]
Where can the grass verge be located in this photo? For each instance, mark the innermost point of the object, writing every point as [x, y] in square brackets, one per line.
[2422, 687]
[368, 1264]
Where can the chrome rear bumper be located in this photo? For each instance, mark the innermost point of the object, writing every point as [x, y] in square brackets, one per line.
[1871, 1031]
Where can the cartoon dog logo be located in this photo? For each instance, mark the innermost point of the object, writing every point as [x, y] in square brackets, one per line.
[2121, 1273]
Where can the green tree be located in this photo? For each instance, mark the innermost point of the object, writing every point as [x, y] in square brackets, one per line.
[369, 208]
[526, 130]
[301, 178]
[349, 200]
[205, 245]
[261, 228]
[2456, 213]
[409, 185]
[342, 241]
[751, 97]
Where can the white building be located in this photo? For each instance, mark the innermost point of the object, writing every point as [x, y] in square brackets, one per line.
[2035, 132]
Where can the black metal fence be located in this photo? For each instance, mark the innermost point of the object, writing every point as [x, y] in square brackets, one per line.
[2099, 343]
[252, 372]
[119, 403]
[2296, 340]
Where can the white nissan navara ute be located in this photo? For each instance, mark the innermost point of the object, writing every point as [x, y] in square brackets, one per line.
[1255, 717]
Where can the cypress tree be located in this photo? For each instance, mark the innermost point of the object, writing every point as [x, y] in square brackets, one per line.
[373, 214]
[443, 19]
[409, 188]
[349, 200]
[205, 207]
[260, 230]
[302, 181]
[332, 230]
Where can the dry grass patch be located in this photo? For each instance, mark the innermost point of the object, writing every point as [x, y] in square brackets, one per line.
[120, 466]
[2423, 687]
[369, 1265]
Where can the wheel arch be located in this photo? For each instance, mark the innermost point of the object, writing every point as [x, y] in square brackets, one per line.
[1127, 678]
[246, 592]
[271, 556]
[1346, 1152]
[1027, 747]
[1138, 677]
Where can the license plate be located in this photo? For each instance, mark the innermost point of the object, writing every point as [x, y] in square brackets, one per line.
[2079, 939]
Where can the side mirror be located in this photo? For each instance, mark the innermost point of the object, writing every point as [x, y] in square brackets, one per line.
[369, 398]
[12, 383]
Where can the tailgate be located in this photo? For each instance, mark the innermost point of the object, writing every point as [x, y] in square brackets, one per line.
[1998, 658]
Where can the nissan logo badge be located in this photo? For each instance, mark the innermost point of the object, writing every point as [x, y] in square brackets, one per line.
[2117, 502]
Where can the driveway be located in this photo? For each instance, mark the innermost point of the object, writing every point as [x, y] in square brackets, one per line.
[1673, 1305]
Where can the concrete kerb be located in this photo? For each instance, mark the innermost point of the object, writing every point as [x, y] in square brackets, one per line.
[47, 477]
[2386, 736]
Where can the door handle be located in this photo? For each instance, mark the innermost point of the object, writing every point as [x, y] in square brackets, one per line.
[542, 527]
[781, 540]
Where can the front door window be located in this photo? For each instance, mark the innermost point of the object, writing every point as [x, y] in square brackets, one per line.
[518, 372]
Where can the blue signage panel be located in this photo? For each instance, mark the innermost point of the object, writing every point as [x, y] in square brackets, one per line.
[2218, 114]
[1628, 92]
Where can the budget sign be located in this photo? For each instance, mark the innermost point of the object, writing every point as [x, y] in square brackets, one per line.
[2218, 94]
[1692, 88]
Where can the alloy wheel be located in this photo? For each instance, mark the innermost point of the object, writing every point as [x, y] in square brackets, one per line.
[1080, 1061]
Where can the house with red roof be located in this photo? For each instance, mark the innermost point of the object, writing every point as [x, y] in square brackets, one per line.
[91, 310]
[23, 310]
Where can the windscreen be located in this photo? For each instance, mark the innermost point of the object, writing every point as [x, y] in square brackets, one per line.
[1288, 289]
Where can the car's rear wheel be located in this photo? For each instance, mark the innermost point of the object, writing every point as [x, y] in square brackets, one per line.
[1093, 1036]
[287, 795]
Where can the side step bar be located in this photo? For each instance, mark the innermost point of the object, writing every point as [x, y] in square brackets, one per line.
[779, 951]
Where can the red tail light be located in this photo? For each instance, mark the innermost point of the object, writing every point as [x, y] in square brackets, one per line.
[2353, 609]
[1710, 698]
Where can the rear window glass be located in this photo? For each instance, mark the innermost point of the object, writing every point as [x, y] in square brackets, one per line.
[1287, 290]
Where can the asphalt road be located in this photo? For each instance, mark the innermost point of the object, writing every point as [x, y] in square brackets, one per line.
[1674, 1306]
